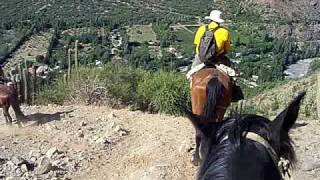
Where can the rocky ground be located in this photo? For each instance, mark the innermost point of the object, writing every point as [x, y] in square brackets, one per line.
[79, 142]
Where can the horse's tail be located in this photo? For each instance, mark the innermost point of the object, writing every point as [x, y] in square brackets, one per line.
[214, 92]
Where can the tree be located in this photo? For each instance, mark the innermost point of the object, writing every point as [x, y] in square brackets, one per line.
[140, 57]
[168, 60]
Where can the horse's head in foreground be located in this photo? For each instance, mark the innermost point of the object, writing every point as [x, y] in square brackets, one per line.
[246, 147]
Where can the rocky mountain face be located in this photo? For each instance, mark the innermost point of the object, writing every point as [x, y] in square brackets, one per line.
[298, 18]
[295, 10]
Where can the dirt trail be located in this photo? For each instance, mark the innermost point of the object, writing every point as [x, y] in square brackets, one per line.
[102, 143]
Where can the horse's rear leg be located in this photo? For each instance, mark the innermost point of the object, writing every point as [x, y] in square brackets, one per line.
[4, 114]
[7, 115]
[196, 155]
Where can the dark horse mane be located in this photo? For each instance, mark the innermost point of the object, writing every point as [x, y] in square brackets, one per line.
[233, 128]
[226, 137]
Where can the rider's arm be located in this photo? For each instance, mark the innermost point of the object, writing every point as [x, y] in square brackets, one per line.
[227, 45]
[200, 32]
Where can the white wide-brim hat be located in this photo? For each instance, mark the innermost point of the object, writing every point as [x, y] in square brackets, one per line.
[215, 16]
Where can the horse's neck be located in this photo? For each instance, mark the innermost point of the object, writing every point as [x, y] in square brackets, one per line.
[252, 161]
[248, 161]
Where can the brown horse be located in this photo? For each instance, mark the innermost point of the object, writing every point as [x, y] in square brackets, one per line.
[211, 94]
[9, 97]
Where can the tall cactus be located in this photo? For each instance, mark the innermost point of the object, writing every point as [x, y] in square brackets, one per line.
[25, 83]
[34, 84]
[69, 63]
[76, 55]
[20, 84]
[318, 95]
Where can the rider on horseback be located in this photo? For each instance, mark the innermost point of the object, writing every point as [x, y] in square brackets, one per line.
[212, 44]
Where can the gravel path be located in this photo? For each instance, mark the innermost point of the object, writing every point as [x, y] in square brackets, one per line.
[79, 142]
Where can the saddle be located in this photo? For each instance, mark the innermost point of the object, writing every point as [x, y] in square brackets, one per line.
[223, 68]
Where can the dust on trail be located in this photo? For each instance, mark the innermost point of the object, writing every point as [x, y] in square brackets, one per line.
[103, 143]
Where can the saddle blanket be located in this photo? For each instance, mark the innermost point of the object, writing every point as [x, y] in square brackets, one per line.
[229, 71]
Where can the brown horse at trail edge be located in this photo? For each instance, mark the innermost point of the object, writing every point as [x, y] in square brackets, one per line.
[211, 94]
[9, 97]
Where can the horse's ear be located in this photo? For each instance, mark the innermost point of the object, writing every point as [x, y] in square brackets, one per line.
[286, 119]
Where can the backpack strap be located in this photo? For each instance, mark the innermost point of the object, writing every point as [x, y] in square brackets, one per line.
[214, 37]
[216, 28]
[208, 41]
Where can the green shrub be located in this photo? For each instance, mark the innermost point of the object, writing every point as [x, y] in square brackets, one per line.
[242, 108]
[119, 84]
[54, 93]
[164, 90]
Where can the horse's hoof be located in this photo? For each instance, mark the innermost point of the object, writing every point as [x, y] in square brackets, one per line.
[195, 160]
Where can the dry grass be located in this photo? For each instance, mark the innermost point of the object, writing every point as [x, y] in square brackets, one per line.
[141, 33]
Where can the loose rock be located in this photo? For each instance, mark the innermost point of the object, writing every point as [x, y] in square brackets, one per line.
[44, 166]
[34, 153]
[24, 168]
[80, 134]
[314, 3]
[112, 115]
[185, 147]
[51, 152]
[102, 141]
[17, 160]
[83, 123]
[2, 161]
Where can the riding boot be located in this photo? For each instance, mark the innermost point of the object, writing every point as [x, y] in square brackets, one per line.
[237, 93]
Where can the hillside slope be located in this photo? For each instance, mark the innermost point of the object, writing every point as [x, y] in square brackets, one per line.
[297, 18]
[86, 142]
[272, 101]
